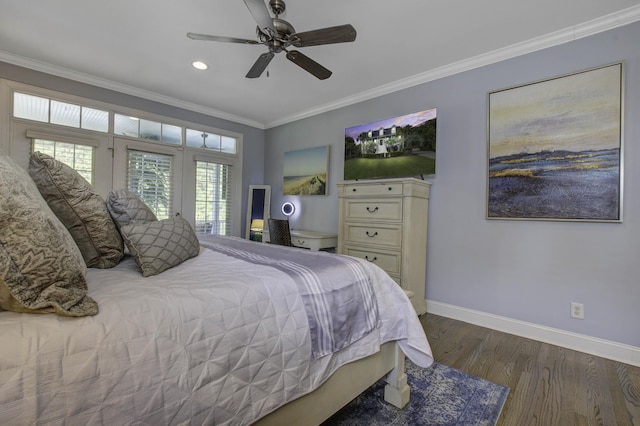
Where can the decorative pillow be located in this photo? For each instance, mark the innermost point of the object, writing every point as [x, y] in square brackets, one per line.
[160, 245]
[81, 209]
[127, 208]
[41, 268]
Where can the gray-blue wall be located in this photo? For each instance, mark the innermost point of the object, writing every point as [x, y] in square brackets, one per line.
[524, 270]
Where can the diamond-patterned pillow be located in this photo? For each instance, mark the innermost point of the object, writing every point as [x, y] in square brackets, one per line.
[127, 208]
[160, 245]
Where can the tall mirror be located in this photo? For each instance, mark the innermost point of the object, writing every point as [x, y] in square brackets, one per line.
[258, 206]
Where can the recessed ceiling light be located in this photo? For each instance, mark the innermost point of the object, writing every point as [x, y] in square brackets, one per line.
[200, 65]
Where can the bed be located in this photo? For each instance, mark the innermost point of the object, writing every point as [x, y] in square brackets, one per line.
[235, 334]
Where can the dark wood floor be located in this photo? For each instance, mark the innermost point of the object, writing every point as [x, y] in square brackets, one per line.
[549, 385]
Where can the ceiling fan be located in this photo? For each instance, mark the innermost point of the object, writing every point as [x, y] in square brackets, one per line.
[278, 35]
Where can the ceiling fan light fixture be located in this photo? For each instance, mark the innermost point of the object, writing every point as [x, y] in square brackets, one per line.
[199, 65]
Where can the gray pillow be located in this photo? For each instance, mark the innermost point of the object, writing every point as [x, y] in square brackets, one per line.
[160, 245]
[41, 268]
[82, 210]
[127, 208]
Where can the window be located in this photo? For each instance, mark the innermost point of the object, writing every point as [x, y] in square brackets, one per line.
[78, 157]
[210, 141]
[213, 198]
[150, 176]
[52, 111]
[30, 107]
[176, 167]
[146, 129]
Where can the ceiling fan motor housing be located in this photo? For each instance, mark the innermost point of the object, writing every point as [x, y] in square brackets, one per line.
[279, 41]
[277, 6]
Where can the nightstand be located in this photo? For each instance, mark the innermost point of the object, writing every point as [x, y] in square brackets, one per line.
[311, 240]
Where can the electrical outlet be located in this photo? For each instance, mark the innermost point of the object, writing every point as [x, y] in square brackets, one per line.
[577, 310]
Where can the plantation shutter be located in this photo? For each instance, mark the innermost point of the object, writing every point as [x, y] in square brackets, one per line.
[150, 176]
[75, 153]
[213, 202]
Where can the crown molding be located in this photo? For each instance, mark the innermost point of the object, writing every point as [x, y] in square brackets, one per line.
[122, 88]
[604, 23]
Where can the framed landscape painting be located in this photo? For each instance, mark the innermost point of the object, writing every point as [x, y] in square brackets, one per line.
[555, 148]
[305, 171]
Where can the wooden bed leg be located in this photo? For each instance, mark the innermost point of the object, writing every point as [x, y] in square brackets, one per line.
[397, 392]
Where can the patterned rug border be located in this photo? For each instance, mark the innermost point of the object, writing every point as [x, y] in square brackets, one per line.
[440, 395]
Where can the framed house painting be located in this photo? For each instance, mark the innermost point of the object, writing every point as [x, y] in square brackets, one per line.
[555, 148]
[394, 147]
[305, 171]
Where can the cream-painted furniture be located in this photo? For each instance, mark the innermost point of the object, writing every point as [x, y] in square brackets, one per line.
[309, 239]
[385, 222]
[345, 384]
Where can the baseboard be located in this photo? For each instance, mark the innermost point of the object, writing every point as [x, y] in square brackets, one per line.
[579, 342]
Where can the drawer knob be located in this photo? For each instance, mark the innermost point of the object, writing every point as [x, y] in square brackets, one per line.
[370, 210]
[301, 242]
[371, 260]
[371, 235]
[390, 189]
[354, 190]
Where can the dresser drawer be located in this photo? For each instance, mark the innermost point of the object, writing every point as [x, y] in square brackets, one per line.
[373, 209]
[377, 234]
[387, 260]
[373, 189]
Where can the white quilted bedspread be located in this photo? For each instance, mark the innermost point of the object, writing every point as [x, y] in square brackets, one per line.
[216, 340]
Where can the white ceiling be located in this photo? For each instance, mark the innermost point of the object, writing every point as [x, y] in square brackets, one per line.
[140, 47]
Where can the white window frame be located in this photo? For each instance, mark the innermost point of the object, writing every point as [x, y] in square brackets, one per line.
[121, 146]
[23, 133]
[108, 171]
[189, 196]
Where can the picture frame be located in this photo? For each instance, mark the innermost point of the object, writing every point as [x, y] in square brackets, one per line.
[555, 150]
[400, 146]
[306, 171]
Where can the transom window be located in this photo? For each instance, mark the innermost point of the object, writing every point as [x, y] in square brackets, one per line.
[175, 167]
[47, 110]
[211, 141]
[146, 129]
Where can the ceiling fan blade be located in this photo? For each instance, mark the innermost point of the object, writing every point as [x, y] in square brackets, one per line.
[196, 36]
[308, 64]
[330, 35]
[261, 15]
[261, 64]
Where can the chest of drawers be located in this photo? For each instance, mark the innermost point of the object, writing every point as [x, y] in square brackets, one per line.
[385, 222]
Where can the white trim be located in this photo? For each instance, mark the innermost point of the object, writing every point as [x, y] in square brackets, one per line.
[579, 342]
[32, 134]
[604, 23]
[122, 88]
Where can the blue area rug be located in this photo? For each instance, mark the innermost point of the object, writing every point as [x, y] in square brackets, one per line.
[440, 395]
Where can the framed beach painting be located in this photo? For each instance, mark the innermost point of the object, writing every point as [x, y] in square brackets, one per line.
[555, 148]
[305, 171]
